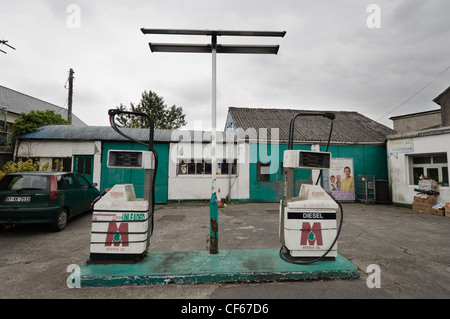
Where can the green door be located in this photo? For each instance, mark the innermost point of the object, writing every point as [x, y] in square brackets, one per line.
[83, 164]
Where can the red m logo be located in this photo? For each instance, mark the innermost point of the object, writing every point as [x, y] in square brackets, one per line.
[117, 235]
[311, 235]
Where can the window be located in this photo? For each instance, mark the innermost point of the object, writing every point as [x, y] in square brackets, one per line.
[70, 181]
[226, 166]
[83, 182]
[263, 171]
[433, 166]
[66, 163]
[194, 167]
[33, 159]
[84, 165]
[203, 167]
[61, 182]
[24, 182]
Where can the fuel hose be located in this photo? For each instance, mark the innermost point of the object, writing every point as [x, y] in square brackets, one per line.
[112, 113]
[330, 116]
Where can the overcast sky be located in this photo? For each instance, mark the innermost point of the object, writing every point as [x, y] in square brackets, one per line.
[335, 56]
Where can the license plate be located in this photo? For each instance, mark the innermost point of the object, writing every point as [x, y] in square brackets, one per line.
[10, 199]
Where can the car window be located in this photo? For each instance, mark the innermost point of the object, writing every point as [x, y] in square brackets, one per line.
[61, 182]
[83, 181]
[38, 182]
[10, 182]
[15, 182]
[70, 181]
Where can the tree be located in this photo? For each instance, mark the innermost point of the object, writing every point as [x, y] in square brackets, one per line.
[164, 117]
[30, 122]
[28, 165]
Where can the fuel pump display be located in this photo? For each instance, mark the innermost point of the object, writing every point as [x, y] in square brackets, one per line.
[308, 227]
[122, 224]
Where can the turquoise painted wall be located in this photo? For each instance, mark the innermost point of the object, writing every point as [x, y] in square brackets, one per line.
[367, 160]
[112, 176]
[271, 191]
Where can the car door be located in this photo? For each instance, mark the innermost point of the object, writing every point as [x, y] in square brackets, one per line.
[74, 194]
[88, 192]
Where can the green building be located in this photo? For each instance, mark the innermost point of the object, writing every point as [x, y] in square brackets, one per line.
[356, 139]
[255, 138]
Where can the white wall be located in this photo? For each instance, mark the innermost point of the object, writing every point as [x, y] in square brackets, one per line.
[398, 166]
[46, 150]
[195, 187]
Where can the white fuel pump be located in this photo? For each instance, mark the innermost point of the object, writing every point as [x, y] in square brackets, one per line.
[308, 227]
[122, 224]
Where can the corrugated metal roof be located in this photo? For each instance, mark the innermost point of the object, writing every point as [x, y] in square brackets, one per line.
[107, 133]
[16, 102]
[348, 127]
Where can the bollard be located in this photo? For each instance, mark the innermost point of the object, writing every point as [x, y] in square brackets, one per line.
[214, 225]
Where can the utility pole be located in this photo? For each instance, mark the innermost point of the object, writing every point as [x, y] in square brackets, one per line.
[69, 110]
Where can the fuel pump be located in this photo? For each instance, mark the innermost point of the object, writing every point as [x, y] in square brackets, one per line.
[308, 227]
[122, 224]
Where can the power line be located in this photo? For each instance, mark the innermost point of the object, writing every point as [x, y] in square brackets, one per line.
[408, 99]
[5, 42]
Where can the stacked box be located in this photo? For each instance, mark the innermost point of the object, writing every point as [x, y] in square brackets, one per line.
[424, 199]
[447, 210]
[423, 203]
[438, 209]
[427, 185]
[422, 208]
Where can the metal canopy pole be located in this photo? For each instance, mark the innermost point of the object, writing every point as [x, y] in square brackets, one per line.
[213, 204]
[213, 118]
[214, 48]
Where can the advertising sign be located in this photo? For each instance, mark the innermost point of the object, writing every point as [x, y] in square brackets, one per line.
[340, 179]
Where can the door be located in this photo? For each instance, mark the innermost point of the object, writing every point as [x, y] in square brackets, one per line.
[73, 194]
[88, 193]
[83, 164]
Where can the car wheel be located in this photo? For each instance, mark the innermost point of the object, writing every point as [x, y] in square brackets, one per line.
[61, 220]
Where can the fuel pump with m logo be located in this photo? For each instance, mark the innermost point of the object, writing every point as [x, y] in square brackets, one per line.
[122, 224]
[308, 227]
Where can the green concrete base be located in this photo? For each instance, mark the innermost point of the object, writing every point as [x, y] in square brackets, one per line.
[192, 267]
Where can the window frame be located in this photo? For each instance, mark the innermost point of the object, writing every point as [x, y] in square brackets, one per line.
[442, 168]
[261, 171]
[197, 167]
